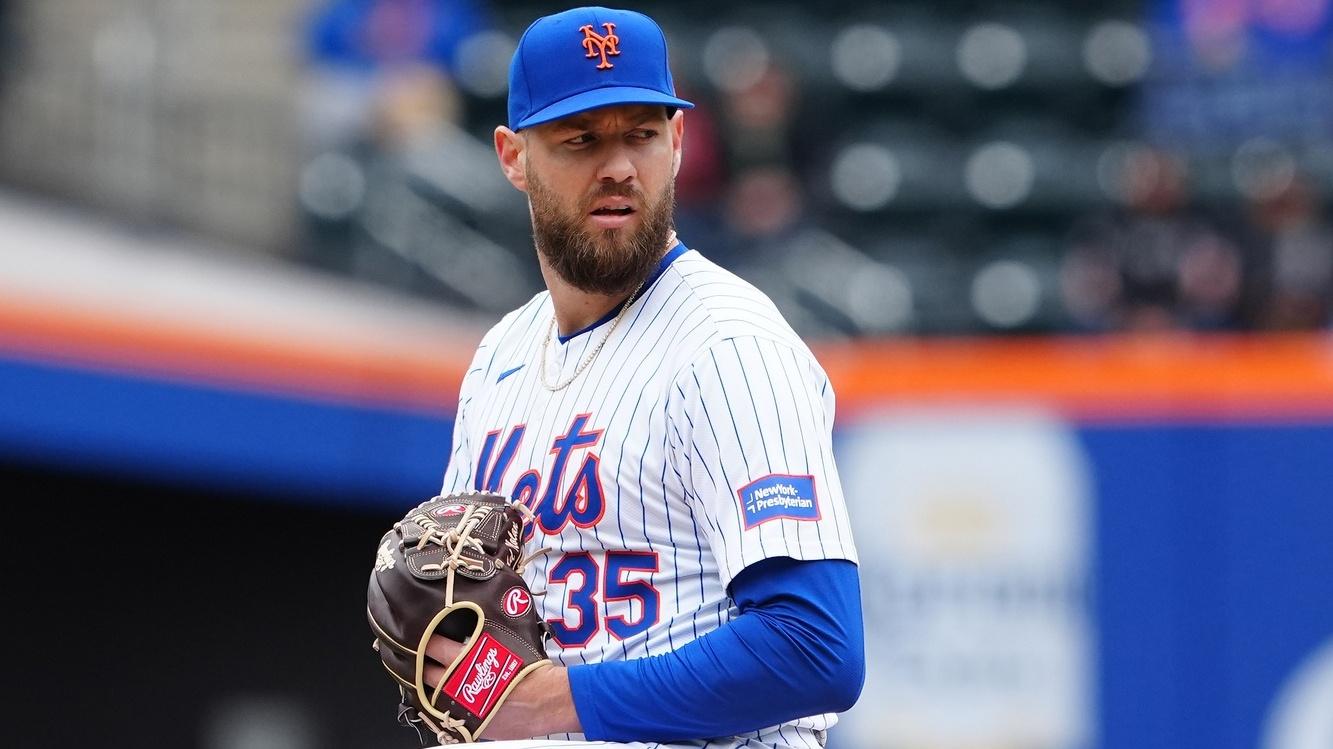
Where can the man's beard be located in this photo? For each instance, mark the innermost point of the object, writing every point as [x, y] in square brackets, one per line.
[609, 261]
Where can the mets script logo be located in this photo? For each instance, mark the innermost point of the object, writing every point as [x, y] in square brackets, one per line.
[598, 45]
[516, 602]
[578, 498]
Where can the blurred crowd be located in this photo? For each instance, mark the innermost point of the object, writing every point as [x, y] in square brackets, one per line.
[1161, 263]
[914, 168]
[883, 172]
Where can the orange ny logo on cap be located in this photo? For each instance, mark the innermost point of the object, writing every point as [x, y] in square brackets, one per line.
[605, 45]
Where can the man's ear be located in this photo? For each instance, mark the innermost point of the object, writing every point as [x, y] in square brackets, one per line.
[677, 140]
[511, 150]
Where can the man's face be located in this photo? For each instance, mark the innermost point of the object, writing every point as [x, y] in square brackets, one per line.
[601, 188]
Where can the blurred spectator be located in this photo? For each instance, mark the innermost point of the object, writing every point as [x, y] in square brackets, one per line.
[376, 62]
[1301, 257]
[763, 205]
[702, 179]
[372, 34]
[380, 107]
[1090, 286]
[763, 201]
[1209, 282]
[759, 117]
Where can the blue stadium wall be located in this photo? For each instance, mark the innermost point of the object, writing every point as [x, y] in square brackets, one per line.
[1211, 535]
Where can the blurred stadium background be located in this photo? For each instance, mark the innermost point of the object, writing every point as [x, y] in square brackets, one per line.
[1070, 266]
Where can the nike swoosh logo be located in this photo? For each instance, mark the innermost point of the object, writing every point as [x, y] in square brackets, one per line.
[508, 372]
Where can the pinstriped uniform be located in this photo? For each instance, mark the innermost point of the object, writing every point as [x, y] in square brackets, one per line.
[696, 443]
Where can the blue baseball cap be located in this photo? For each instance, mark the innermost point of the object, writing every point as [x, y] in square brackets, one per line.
[587, 58]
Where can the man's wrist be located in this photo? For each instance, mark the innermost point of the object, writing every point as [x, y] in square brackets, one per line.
[547, 702]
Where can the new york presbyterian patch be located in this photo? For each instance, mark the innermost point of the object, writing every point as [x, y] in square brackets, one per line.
[779, 495]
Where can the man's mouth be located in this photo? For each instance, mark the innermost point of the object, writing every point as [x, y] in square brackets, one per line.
[612, 213]
[612, 207]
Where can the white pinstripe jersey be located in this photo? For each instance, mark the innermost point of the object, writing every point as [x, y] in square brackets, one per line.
[697, 442]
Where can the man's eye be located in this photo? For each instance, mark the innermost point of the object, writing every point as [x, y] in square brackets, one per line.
[580, 140]
[643, 134]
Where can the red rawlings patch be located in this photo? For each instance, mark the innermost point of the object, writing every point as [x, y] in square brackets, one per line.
[516, 603]
[449, 511]
[484, 674]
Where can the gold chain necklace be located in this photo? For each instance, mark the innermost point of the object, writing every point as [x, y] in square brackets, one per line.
[546, 343]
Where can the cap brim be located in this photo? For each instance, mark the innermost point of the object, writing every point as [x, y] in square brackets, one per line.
[600, 97]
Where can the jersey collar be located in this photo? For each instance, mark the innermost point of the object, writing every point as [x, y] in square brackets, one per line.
[676, 251]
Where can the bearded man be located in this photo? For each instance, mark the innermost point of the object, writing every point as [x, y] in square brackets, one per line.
[668, 429]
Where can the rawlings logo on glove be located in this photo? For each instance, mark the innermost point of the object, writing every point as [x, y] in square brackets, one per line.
[453, 567]
[483, 676]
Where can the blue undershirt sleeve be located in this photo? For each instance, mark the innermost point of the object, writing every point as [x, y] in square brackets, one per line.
[795, 650]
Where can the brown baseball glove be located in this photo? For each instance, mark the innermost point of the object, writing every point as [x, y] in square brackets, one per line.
[453, 566]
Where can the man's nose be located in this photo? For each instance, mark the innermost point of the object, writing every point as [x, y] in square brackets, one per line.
[617, 167]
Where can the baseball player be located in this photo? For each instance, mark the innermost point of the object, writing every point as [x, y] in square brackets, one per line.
[667, 427]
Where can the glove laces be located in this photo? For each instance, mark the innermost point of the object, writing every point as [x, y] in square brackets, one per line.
[459, 538]
[455, 540]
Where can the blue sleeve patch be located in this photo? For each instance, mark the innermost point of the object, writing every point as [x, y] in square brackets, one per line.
[779, 495]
